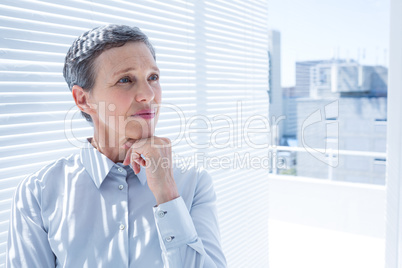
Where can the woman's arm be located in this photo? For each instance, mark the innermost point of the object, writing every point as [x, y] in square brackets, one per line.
[28, 244]
[191, 239]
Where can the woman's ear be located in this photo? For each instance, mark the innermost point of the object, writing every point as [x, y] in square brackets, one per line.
[81, 98]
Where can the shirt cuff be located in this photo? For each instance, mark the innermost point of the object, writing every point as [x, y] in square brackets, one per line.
[174, 223]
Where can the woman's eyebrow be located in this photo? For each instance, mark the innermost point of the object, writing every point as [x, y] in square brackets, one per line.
[133, 69]
[124, 71]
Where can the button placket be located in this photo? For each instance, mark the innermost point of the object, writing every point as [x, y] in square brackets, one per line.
[123, 171]
[122, 215]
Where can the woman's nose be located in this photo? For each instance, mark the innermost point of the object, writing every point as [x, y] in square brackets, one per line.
[144, 92]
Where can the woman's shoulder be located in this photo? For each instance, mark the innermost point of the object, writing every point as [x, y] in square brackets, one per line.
[192, 178]
[189, 171]
[51, 172]
[195, 184]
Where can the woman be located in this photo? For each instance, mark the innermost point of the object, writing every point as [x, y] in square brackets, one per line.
[119, 202]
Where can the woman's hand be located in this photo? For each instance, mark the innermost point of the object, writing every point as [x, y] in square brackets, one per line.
[157, 158]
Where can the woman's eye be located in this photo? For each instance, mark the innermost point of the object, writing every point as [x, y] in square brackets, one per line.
[154, 77]
[125, 80]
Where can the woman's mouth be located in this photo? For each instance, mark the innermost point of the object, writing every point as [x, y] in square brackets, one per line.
[145, 114]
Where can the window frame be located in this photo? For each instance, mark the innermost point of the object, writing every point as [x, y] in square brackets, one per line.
[393, 236]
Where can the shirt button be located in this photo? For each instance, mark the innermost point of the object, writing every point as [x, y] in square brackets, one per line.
[161, 214]
[120, 169]
[169, 239]
[122, 226]
[121, 187]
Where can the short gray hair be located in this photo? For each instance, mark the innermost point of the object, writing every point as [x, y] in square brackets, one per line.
[79, 63]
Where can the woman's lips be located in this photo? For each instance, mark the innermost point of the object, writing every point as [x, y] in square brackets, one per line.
[145, 114]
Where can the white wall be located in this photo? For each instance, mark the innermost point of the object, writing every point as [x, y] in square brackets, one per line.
[341, 206]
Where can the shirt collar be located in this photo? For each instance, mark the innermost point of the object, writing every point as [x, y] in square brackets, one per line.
[99, 165]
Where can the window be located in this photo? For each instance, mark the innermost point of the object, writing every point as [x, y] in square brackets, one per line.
[334, 75]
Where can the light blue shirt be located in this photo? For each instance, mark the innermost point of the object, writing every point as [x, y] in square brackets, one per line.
[87, 211]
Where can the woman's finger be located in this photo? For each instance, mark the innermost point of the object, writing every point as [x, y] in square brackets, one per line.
[136, 168]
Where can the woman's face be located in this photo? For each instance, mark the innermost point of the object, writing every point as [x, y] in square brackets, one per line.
[126, 93]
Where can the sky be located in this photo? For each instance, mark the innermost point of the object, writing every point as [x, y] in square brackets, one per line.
[325, 29]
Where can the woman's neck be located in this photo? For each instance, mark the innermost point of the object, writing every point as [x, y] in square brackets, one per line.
[111, 150]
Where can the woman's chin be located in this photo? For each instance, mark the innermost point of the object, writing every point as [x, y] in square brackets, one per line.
[136, 135]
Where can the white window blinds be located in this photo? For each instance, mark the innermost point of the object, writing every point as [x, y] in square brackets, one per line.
[214, 69]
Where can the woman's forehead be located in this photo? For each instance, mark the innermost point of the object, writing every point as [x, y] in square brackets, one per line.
[133, 56]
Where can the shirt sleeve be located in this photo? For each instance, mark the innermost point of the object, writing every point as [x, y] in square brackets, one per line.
[191, 239]
[28, 244]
